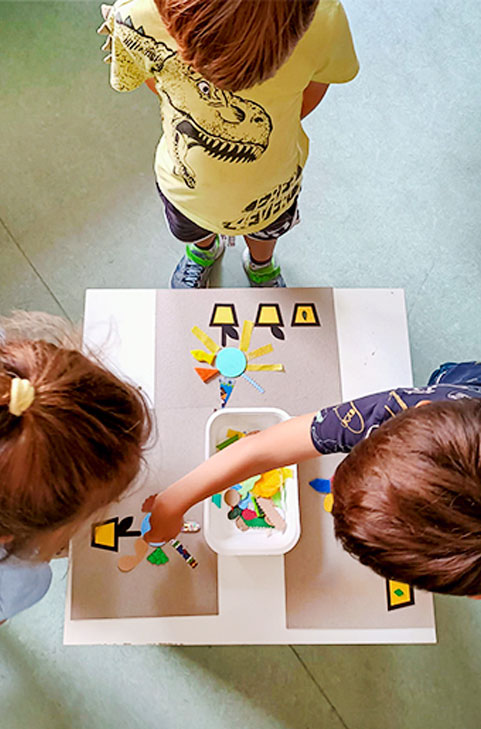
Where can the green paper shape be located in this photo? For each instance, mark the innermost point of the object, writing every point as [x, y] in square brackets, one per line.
[398, 592]
[217, 500]
[158, 556]
[227, 442]
[259, 522]
[277, 498]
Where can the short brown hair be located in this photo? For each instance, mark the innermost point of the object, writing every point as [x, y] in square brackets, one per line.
[236, 44]
[407, 500]
[75, 449]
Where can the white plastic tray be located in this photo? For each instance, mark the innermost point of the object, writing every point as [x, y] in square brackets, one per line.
[221, 534]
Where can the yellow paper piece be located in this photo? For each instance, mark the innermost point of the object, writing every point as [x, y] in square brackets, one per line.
[269, 483]
[287, 473]
[328, 503]
[266, 368]
[231, 433]
[245, 339]
[399, 594]
[268, 315]
[205, 339]
[104, 535]
[224, 314]
[266, 349]
[202, 356]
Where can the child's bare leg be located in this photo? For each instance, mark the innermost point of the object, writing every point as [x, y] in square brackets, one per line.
[261, 250]
[207, 243]
[260, 266]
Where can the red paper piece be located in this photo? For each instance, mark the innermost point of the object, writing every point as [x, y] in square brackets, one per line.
[205, 373]
[248, 514]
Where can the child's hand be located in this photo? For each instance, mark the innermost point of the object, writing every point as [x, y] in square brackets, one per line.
[165, 521]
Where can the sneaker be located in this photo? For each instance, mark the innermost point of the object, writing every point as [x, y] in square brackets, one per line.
[195, 266]
[268, 276]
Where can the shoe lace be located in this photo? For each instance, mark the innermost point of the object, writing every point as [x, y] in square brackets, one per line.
[192, 273]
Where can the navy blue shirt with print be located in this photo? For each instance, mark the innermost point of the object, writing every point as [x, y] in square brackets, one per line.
[339, 428]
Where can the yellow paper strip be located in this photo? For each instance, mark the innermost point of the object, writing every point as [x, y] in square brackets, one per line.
[202, 356]
[245, 339]
[266, 368]
[205, 339]
[266, 349]
[231, 433]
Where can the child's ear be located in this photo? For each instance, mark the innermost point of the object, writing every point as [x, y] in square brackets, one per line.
[6, 539]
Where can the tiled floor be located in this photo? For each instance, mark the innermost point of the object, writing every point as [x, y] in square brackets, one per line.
[391, 198]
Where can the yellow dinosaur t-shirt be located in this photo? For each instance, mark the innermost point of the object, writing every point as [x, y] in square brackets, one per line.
[231, 162]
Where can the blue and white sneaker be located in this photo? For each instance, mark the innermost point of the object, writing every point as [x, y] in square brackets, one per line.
[195, 266]
[268, 276]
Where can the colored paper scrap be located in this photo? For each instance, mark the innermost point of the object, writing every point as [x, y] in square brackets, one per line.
[305, 315]
[271, 514]
[226, 388]
[399, 594]
[253, 383]
[217, 500]
[259, 523]
[231, 432]
[328, 503]
[246, 335]
[184, 553]
[202, 356]
[158, 556]
[266, 349]
[205, 373]
[265, 367]
[322, 485]
[129, 561]
[205, 339]
[269, 483]
[227, 442]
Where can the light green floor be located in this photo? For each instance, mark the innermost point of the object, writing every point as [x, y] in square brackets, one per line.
[391, 198]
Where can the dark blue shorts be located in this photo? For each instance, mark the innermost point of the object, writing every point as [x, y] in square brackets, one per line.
[187, 231]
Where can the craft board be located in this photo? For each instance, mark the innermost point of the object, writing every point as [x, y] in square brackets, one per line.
[333, 345]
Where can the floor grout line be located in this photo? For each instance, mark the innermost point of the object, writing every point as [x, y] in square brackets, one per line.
[321, 691]
[33, 267]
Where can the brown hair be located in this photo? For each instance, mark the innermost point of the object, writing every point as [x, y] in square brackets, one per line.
[236, 44]
[75, 449]
[407, 500]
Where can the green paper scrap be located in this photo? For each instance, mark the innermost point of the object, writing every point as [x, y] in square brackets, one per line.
[277, 498]
[247, 485]
[227, 442]
[217, 500]
[158, 556]
[259, 522]
[398, 592]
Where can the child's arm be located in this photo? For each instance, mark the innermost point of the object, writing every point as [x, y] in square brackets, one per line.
[313, 95]
[281, 445]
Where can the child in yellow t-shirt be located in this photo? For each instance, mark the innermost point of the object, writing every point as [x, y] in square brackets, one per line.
[234, 80]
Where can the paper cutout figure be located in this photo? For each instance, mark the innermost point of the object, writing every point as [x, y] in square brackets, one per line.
[230, 363]
[269, 315]
[399, 595]
[224, 315]
[322, 485]
[305, 315]
[226, 388]
[205, 373]
[130, 561]
[158, 557]
[106, 534]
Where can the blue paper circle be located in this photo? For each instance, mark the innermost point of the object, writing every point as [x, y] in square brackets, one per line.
[231, 362]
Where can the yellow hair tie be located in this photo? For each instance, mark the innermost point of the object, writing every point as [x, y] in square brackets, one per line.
[22, 394]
